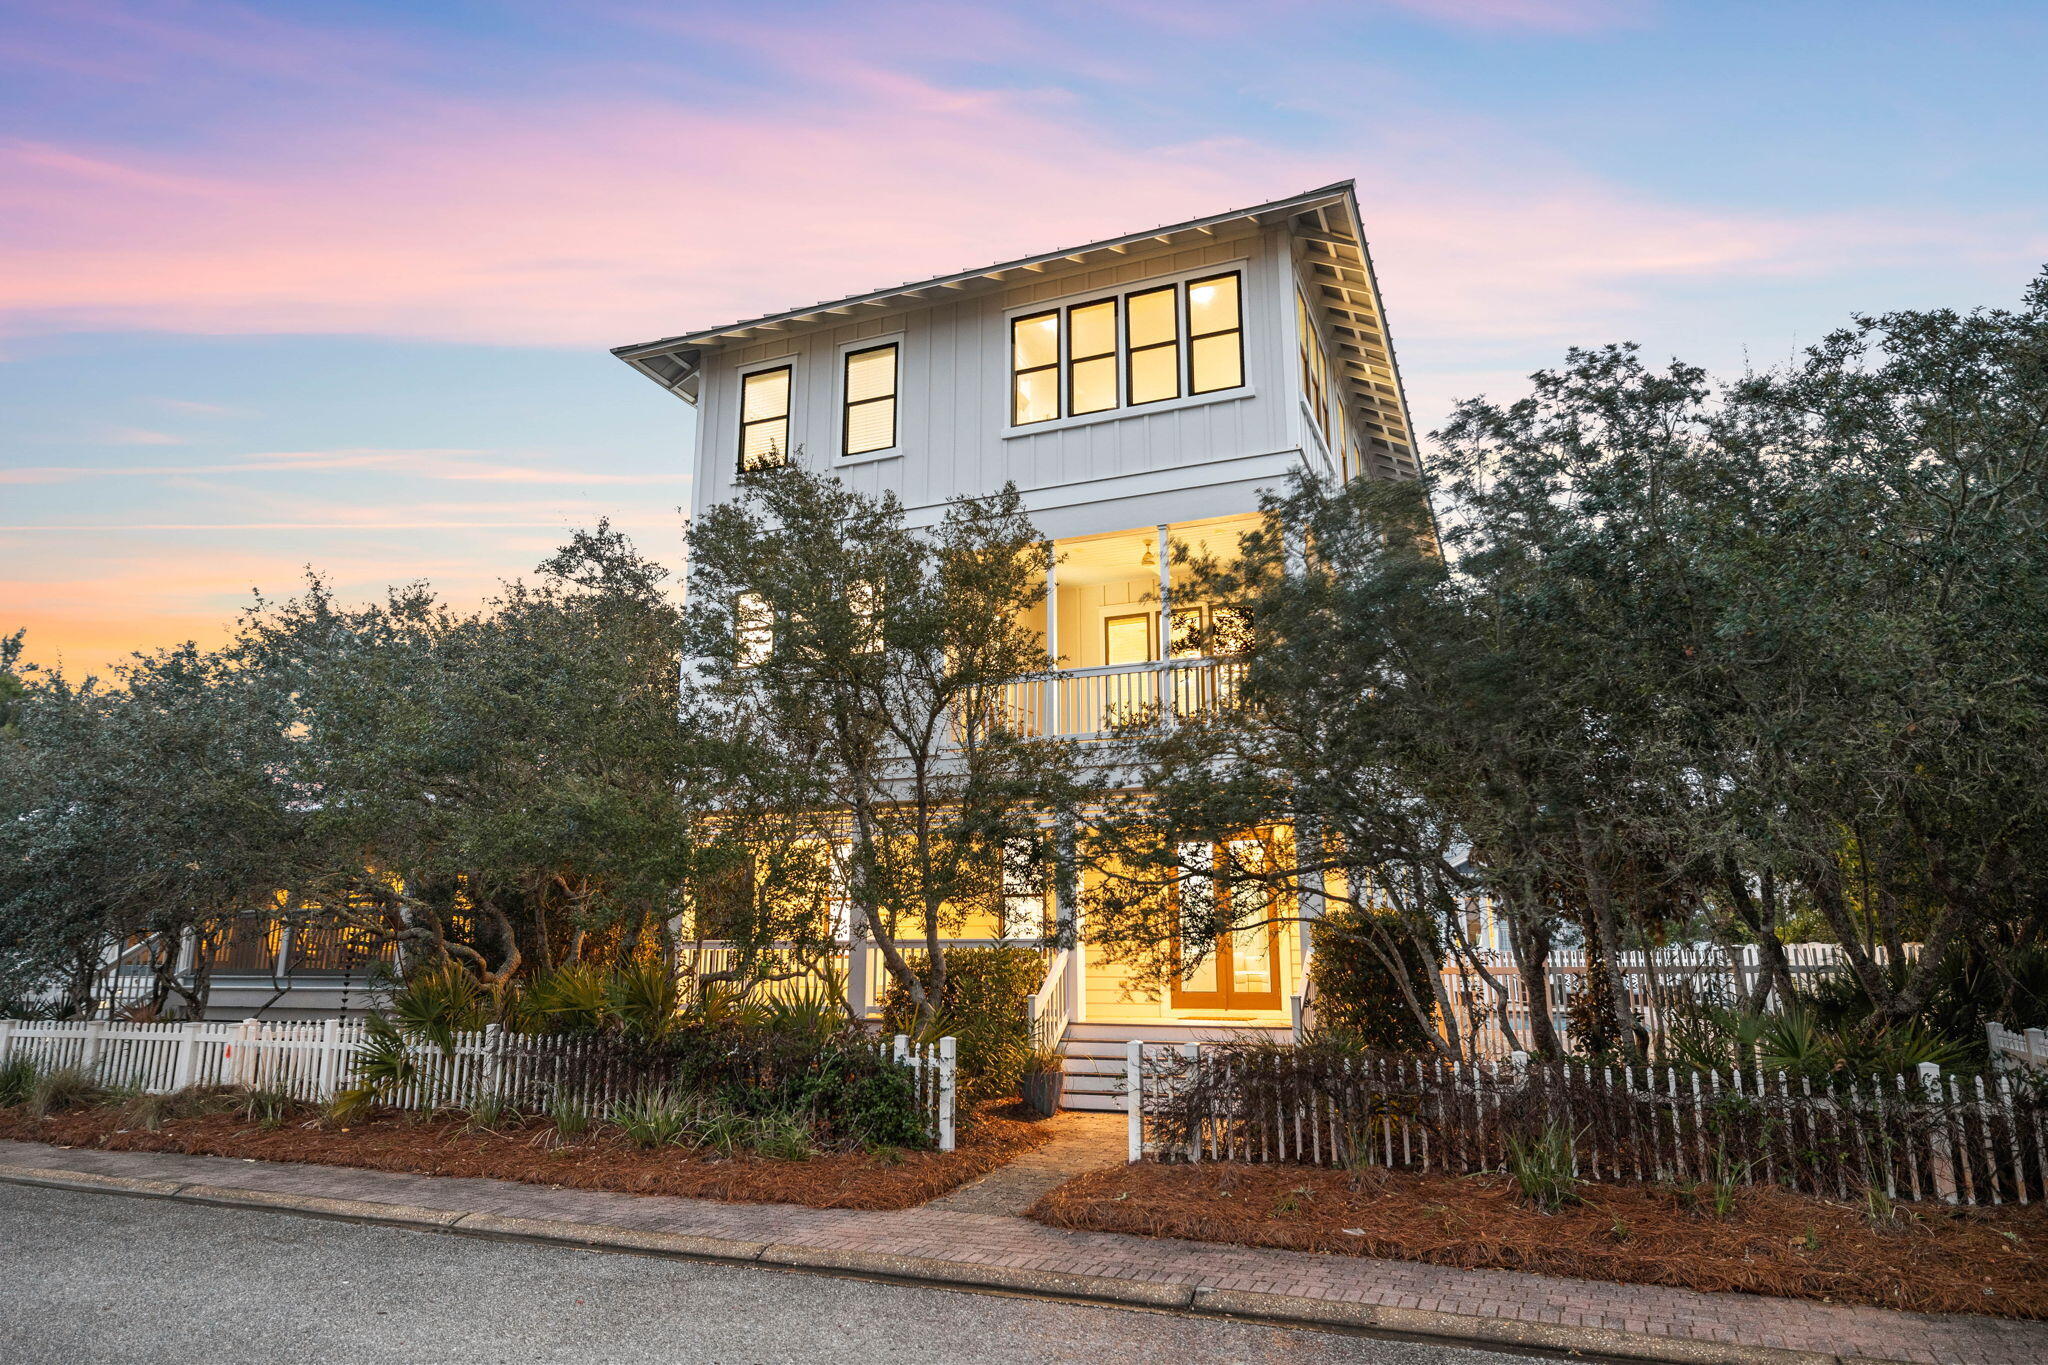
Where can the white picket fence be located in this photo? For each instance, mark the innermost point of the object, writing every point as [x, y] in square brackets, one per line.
[1656, 982]
[313, 1060]
[2028, 1048]
[1917, 1135]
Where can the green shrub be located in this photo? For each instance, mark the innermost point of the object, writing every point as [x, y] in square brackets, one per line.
[983, 1007]
[17, 1081]
[439, 1003]
[570, 1118]
[658, 1119]
[65, 1088]
[1356, 994]
[489, 1111]
[268, 1109]
[1542, 1168]
[152, 1112]
[783, 1137]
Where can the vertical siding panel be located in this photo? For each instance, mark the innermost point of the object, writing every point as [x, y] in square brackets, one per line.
[953, 403]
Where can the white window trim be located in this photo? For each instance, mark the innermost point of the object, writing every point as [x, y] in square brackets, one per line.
[839, 355]
[789, 360]
[1198, 400]
[1122, 292]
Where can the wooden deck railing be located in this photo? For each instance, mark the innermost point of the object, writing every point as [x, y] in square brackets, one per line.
[1093, 703]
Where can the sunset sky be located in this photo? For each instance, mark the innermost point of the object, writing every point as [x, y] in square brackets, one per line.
[331, 284]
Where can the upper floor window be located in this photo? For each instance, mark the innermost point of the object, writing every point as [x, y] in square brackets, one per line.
[1035, 369]
[1146, 346]
[764, 419]
[1315, 365]
[1215, 334]
[869, 416]
[1154, 343]
[1091, 357]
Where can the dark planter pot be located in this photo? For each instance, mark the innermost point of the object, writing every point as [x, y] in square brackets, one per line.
[1042, 1090]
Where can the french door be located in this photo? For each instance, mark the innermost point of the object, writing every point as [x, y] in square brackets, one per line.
[1241, 970]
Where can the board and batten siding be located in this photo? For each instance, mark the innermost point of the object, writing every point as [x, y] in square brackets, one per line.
[1196, 457]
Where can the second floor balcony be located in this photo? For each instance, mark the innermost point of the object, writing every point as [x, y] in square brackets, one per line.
[1096, 703]
[1128, 641]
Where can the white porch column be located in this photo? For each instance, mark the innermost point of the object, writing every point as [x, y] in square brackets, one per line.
[1165, 625]
[858, 975]
[1052, 644]
[1066, 902]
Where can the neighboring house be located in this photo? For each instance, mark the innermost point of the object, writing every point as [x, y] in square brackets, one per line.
[1140, 391]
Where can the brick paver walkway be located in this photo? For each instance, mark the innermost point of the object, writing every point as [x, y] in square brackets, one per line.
[1081, 1142]
[984, 1239]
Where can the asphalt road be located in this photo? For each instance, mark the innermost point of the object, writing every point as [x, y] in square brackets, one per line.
[108, 1278]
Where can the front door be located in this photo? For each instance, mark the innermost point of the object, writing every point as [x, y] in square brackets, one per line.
[1241, 970]
[1127, 644]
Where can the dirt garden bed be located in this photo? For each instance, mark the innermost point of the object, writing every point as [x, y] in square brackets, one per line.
[1929, 1258]
[530, 1151]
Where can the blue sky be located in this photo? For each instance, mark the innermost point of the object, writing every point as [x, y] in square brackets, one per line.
[331, 284]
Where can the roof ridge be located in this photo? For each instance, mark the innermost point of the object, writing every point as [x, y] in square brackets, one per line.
[706, 335]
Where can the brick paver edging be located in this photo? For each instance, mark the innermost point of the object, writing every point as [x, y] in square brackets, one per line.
[986, 1251]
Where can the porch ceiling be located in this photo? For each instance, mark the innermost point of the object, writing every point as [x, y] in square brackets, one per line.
[1120, 556]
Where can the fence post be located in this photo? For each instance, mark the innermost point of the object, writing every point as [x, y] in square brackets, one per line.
[1193, 1053]
[1134, 1097]
[330, 1058]
[949, 1051]
[6, 1038]
[245, 1052]
[188, 1055]
[95, 1035]
[493, 1068]
[1933, 1092]
[2037, 1046]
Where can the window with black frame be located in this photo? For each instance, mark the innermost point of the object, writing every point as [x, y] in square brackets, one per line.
[1215, 334]
[764, 419]
[868, 404]
[1152, 363]
[1034, 369]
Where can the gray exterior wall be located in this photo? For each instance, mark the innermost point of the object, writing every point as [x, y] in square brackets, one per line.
[1175, 461]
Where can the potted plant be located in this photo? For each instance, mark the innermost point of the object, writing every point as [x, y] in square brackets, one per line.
[1043, 1079]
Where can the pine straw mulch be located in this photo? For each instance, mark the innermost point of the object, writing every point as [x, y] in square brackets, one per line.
[528, 1151]
[1934, 1259]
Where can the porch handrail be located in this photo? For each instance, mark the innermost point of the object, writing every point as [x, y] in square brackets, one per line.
[1085, 703]
[1048, 1011]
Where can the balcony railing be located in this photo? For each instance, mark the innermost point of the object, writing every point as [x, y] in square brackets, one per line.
[1093, 703]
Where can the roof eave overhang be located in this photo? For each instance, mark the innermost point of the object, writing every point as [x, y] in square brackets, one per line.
[676, 369]
[1347, 294]
[673, 362]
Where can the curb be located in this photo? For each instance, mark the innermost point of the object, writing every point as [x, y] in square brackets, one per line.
[1283, 1309]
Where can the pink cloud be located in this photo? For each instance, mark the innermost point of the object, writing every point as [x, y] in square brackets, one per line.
[1554, 16]
[455, 465]
[142, 436]
[584, 221]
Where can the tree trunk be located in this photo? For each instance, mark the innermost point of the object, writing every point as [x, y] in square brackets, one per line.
[1532, 959]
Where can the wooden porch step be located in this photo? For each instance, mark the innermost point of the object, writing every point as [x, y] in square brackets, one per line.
[1094, 1054]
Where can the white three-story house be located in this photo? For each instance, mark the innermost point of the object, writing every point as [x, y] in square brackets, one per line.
[1140, 391]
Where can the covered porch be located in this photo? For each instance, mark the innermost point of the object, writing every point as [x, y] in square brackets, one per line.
[1127, 640]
